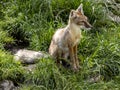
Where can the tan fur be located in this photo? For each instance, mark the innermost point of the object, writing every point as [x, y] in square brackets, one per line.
[64, 42]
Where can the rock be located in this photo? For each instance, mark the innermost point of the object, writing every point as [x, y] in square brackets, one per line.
[29, 56]
[7, 85]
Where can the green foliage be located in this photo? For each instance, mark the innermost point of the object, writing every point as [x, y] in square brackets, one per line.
[4, 38]
[100, 52]
[9, 69]
[46, 75]
[25, 20]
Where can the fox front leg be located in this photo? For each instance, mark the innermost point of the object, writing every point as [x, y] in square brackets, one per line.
[76, 57]
[71, 50]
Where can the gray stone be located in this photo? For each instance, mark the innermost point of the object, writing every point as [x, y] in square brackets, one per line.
[29, 56]
[7, 85]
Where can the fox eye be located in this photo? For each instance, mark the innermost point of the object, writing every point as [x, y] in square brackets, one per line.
[75, 17]
[82, 21]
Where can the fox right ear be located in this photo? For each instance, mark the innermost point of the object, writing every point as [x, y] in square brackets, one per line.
[80, 9]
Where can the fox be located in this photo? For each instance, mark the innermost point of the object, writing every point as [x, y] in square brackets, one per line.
[65, 40]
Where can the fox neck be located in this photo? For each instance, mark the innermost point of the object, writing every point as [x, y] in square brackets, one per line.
[75, 29]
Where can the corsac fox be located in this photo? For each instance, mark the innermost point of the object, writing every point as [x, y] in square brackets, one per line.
[65, 40]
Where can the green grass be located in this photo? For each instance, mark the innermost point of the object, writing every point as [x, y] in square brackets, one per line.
[32, 23]
[10, 69]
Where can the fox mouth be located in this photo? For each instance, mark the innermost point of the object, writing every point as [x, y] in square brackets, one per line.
[78, 23]
[84, 25]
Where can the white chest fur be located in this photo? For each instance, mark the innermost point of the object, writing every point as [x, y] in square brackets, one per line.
[76, 29]
[76, 33]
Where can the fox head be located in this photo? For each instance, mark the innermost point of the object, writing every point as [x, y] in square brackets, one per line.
[77, 17]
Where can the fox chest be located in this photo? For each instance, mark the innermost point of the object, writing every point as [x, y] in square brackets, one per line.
[76, 40]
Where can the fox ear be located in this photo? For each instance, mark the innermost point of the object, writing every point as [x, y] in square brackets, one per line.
[80, 9]
[71, 13]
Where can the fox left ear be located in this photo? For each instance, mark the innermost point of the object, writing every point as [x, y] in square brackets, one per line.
[71, 13]
[80, 9]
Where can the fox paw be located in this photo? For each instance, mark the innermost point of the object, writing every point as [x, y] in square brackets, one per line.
[75, 69]
[78, 66]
